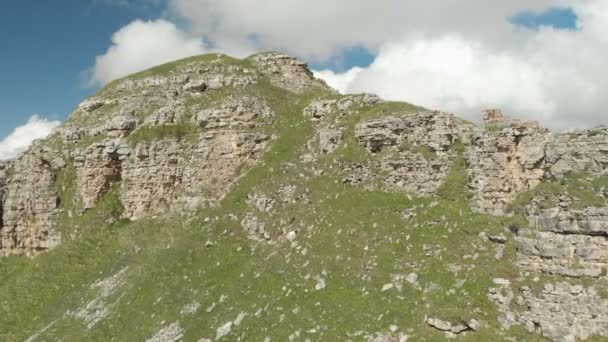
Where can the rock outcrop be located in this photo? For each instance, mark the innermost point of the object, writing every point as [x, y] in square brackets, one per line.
[417, 150]
[435, 130]
[168, 174]
[504, 160]
[567, 242]
[235, 111]
[286, 72]
[98, 168]
[562, 312]
[171, 140]
[29, 202]
[512, 156]
[345, 106]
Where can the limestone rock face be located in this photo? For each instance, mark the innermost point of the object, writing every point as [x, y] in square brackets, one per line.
[505, 162]
[235, 112]
[419, 146]
[329, 139]
[29, 201]
[435, 130]
[563, 312]
[414, 173]
[584, 151]
[286, 72]
[167, 175]
[568, 242]
[511, 156]
[320, 109]
[98, 167]
[4, 174]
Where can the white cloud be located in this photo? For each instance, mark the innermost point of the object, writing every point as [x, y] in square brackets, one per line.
[23, 136]
[340, 82]
[553, 76]
[320, 28]
[458, 55]
[141, 45]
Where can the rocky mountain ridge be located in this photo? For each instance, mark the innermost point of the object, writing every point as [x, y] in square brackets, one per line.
[179, 140]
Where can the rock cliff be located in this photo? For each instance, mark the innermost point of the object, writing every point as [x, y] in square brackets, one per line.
[219, 183]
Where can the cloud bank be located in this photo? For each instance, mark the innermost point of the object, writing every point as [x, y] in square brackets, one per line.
[23, 136]
[459, 56]
[141, 45]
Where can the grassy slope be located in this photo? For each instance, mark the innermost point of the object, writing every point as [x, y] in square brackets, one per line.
[356, 240]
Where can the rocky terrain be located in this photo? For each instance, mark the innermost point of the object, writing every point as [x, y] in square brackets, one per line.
[215, 199]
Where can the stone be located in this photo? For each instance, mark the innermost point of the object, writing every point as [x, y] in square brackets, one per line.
[291, 236]
[190, 308]
[501, 282]
[320, 285]
[234, 111]
[165, 115]
[500, 239]
[448, 327]
[329, 139]
[321, 109]
[121, 125]
[572, 255]
[223, 330]
[286, 72]
[171, 333]
[255, 228]
[92, 104]
[195, 86]
[412, 278]
[387, 287]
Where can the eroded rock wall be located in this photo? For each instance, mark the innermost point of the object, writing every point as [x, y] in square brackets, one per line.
[511, 156]
[435, 130]
[167, 174]
[418, 147]
[572, 243]
[28, 206]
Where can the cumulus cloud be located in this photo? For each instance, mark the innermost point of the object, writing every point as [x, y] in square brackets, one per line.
[553, 76]
[141, 45]
[23, 136]
[459, 55]
[321, 28]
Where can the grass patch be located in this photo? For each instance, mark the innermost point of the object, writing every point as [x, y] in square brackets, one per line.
[584, 191]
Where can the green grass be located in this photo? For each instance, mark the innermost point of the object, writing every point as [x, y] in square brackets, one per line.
[582, 189]
[355, 239]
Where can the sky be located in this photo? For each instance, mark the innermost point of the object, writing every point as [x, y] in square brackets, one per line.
[535, 59]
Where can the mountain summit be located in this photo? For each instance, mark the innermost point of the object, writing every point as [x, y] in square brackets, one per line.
[215, 199]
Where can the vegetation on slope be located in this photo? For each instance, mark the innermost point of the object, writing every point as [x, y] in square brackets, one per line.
[352, 240]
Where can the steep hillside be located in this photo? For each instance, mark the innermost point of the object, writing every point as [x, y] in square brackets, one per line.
[217, 199]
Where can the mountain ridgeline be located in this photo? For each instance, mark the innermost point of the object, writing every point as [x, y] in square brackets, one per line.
[220, 199]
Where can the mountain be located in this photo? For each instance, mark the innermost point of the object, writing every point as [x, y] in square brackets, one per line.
[218, 199]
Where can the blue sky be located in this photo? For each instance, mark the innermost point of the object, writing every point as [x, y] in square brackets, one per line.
[47, 45]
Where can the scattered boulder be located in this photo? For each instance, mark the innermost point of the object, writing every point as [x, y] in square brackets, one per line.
[329, 139]
[452, 329]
